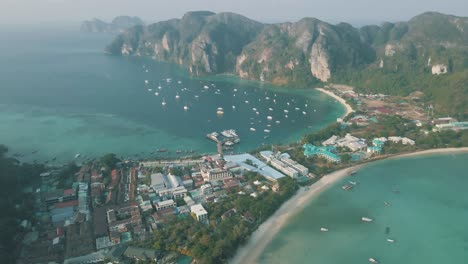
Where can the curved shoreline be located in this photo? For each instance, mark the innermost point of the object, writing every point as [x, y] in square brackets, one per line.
[342, 101]
[250, 252]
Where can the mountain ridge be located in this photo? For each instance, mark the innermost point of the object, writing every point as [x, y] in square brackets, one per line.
[391, 58]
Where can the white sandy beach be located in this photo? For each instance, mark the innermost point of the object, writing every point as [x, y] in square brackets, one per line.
[265, 233]
[349, 109]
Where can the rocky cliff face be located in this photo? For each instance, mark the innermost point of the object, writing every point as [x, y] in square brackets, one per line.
[308, 51]
[118, 24]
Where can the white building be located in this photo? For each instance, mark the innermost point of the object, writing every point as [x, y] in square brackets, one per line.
[206, 189]
[199, 213]
[188, 200]
[215, 174]
[157, 181]
[284, 168]
[300, 168]
[175, 193]
[403, 140]
[348, 141]
[331, 141]
[165, 204]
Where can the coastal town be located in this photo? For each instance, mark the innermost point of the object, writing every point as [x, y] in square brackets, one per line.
[107, 209]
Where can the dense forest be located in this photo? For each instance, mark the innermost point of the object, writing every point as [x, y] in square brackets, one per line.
[15, 204]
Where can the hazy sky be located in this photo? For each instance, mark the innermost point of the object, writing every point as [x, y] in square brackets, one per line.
[357, 12]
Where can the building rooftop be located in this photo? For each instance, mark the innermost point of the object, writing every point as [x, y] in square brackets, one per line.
[198, 209]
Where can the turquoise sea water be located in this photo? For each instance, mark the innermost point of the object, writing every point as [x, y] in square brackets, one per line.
[427, 218]
[61, 95]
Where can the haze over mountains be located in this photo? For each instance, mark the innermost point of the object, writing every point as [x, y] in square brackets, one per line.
[117, 25]
[427, 53]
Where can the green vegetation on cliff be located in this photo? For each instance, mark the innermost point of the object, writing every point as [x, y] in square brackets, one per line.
[429, 53]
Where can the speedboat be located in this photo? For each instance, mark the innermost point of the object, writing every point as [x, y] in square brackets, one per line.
[156, 93]
[304, 113]
[252, 129]
[246, 102]
[149, 90]
[271, 109]
[391, 240]
[206, 87]
[146, 81]
[163, 103]
[266, 131]
[286, 111]
[277, 121]
[367, 219]
[177, 96]
[373, 260]
[297, 108]
[233, 107]
[186, 107]
[255, 109]
[323, 229]
[269, 117]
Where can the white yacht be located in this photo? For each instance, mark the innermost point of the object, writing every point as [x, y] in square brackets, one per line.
[186, 107]
[277, 121]
[271, 109]
[255, 109]
[391, 240]
[156, 93]
[163, 102]
[367, 219]
[252, 129]
[304, 112]
[233, 107]
[286, 111]
[269, 118]
[323, 229]
[177, 96]
[266, 131]
[373, 260]
[146, 81]
[246, 102]
[206, 87]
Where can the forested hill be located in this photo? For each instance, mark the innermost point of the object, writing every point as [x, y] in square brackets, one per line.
[15, 205]
[429, 53]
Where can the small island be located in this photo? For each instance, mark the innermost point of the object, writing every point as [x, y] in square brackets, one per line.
[117, 25]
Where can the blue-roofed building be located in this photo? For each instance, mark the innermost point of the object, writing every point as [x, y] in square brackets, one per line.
[325, 152]
[374, 149]
[378, 143]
